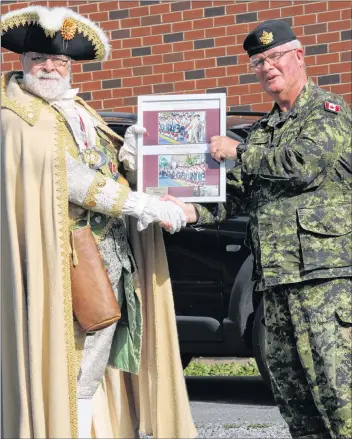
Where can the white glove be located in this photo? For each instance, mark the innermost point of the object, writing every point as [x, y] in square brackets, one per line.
[149, 208]
[128, 151]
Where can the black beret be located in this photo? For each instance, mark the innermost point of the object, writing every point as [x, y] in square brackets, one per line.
[268, 34]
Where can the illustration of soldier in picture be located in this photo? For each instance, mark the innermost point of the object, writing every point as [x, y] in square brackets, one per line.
[181, 127]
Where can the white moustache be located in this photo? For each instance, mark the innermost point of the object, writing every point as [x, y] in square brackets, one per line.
[52, 75]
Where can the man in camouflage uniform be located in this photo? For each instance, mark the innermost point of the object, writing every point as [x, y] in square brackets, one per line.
[293, 176]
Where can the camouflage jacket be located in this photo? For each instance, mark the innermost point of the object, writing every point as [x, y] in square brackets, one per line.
[295, 181]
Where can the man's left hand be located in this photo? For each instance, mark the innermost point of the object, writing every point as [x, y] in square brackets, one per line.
[222, 147]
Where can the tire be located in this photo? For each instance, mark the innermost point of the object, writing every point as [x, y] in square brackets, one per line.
[186, 359]
[258, 343]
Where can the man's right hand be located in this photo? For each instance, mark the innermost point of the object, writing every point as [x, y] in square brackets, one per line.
[188, 208]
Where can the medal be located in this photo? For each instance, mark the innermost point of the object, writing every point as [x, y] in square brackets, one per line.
[95, 159]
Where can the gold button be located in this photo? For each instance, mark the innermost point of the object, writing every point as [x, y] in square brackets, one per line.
[92, 204]
[101, 183]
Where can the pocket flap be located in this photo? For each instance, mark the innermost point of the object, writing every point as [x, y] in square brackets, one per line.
[332, 220]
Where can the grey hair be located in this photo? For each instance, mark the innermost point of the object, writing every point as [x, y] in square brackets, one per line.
[294, 44]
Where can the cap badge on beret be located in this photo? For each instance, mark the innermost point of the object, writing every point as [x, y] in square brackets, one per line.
[266, 37]
[68, 29]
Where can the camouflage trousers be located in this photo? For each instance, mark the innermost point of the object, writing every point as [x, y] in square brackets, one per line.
[308, 344]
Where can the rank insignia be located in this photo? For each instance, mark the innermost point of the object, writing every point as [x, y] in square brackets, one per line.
[334, 108]
[266, 37]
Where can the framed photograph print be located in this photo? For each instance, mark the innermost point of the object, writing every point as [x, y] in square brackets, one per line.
[174, 156]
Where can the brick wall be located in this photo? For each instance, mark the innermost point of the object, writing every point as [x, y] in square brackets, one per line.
[196, 47]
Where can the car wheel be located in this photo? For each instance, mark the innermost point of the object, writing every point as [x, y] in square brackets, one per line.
[186, 359]
[258, 343]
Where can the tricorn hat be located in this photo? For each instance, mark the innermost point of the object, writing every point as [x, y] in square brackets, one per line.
[53, 31]
[270, 33]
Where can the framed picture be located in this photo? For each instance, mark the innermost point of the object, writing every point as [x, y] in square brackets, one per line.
[174, 156]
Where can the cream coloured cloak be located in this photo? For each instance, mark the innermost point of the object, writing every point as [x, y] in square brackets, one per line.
[38, 346]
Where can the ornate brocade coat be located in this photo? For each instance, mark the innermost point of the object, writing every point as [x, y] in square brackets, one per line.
[295, 181]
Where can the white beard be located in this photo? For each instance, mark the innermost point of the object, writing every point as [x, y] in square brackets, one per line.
[50, 90]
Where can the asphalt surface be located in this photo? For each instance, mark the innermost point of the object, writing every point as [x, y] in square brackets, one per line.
[232, 407]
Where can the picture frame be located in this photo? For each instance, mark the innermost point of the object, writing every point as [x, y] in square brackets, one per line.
[174, 155]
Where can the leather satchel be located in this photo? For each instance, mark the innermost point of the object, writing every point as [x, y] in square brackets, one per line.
[93, 300]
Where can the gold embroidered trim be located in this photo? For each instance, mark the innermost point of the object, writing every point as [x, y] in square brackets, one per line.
[121, 198]
[28, 113]
[62, 196]
[82, 28]
[106, 230]
[94, 189]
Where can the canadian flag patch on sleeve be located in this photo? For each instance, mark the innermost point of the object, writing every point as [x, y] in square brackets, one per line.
[329, 106]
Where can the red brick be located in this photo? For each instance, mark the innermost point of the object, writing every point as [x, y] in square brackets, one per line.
[327, 58]
[116, 44]
[233, 100]
[185, 65]
[113, 103]
[206, 83]
[225, 81]
[315, 7]
[97, 105]
[194, 54]
[186, 85]
[122, 53]
[82, 77]
[14, 6]
[345, 77]
[261, 107]
[131, 42]
[139, 12]
[122, 92]
[215, 32]
[10, 56]
[340, 46]
[346, 14]
[308, 39]
[16, 65]
[132, 82]
[163, 68]
[329, 16]
[224, 41]
[194, 35]
[346, 56]
[237, 69]
[122, 73]
[237, 29]
[99, 16]
[107, 6]
[172, 17]
[340, 88]
[224, 3]
[111, 65]
[292, 11]
[132, 62]
[152, 59]
[215, 72]
[102, 74]
[102, 94]
[88, 8]
[224, 21]
[182, 46]
[161, 29]
[141, 31]
[255, 88]
[130, 22]
[338, 5]
[143, 90]
[76, 67]
[238, 89]
[127, 109]
[339, 25]
[305, 19]
[89, 86]
[317, 70]
[193, 14]
[215, 52]
[267, 15]
[110, 25]
[258, 6]
[236, 8]
[159, 9]
[174, 77]
[205, 63]
[340, 67]
[152, 79]
[203, 24]
[124, 4]
[328, 37]
[162, 48]
[153, 40]
[182, 26]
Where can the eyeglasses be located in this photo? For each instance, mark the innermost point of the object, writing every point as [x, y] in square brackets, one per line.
[40, 60]
[272, 59]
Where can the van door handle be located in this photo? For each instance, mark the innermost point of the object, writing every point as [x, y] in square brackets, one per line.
[233, 248]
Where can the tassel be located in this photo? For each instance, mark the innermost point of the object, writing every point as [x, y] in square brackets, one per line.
[74, 254]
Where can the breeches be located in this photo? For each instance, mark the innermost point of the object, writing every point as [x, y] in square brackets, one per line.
[308, 347]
